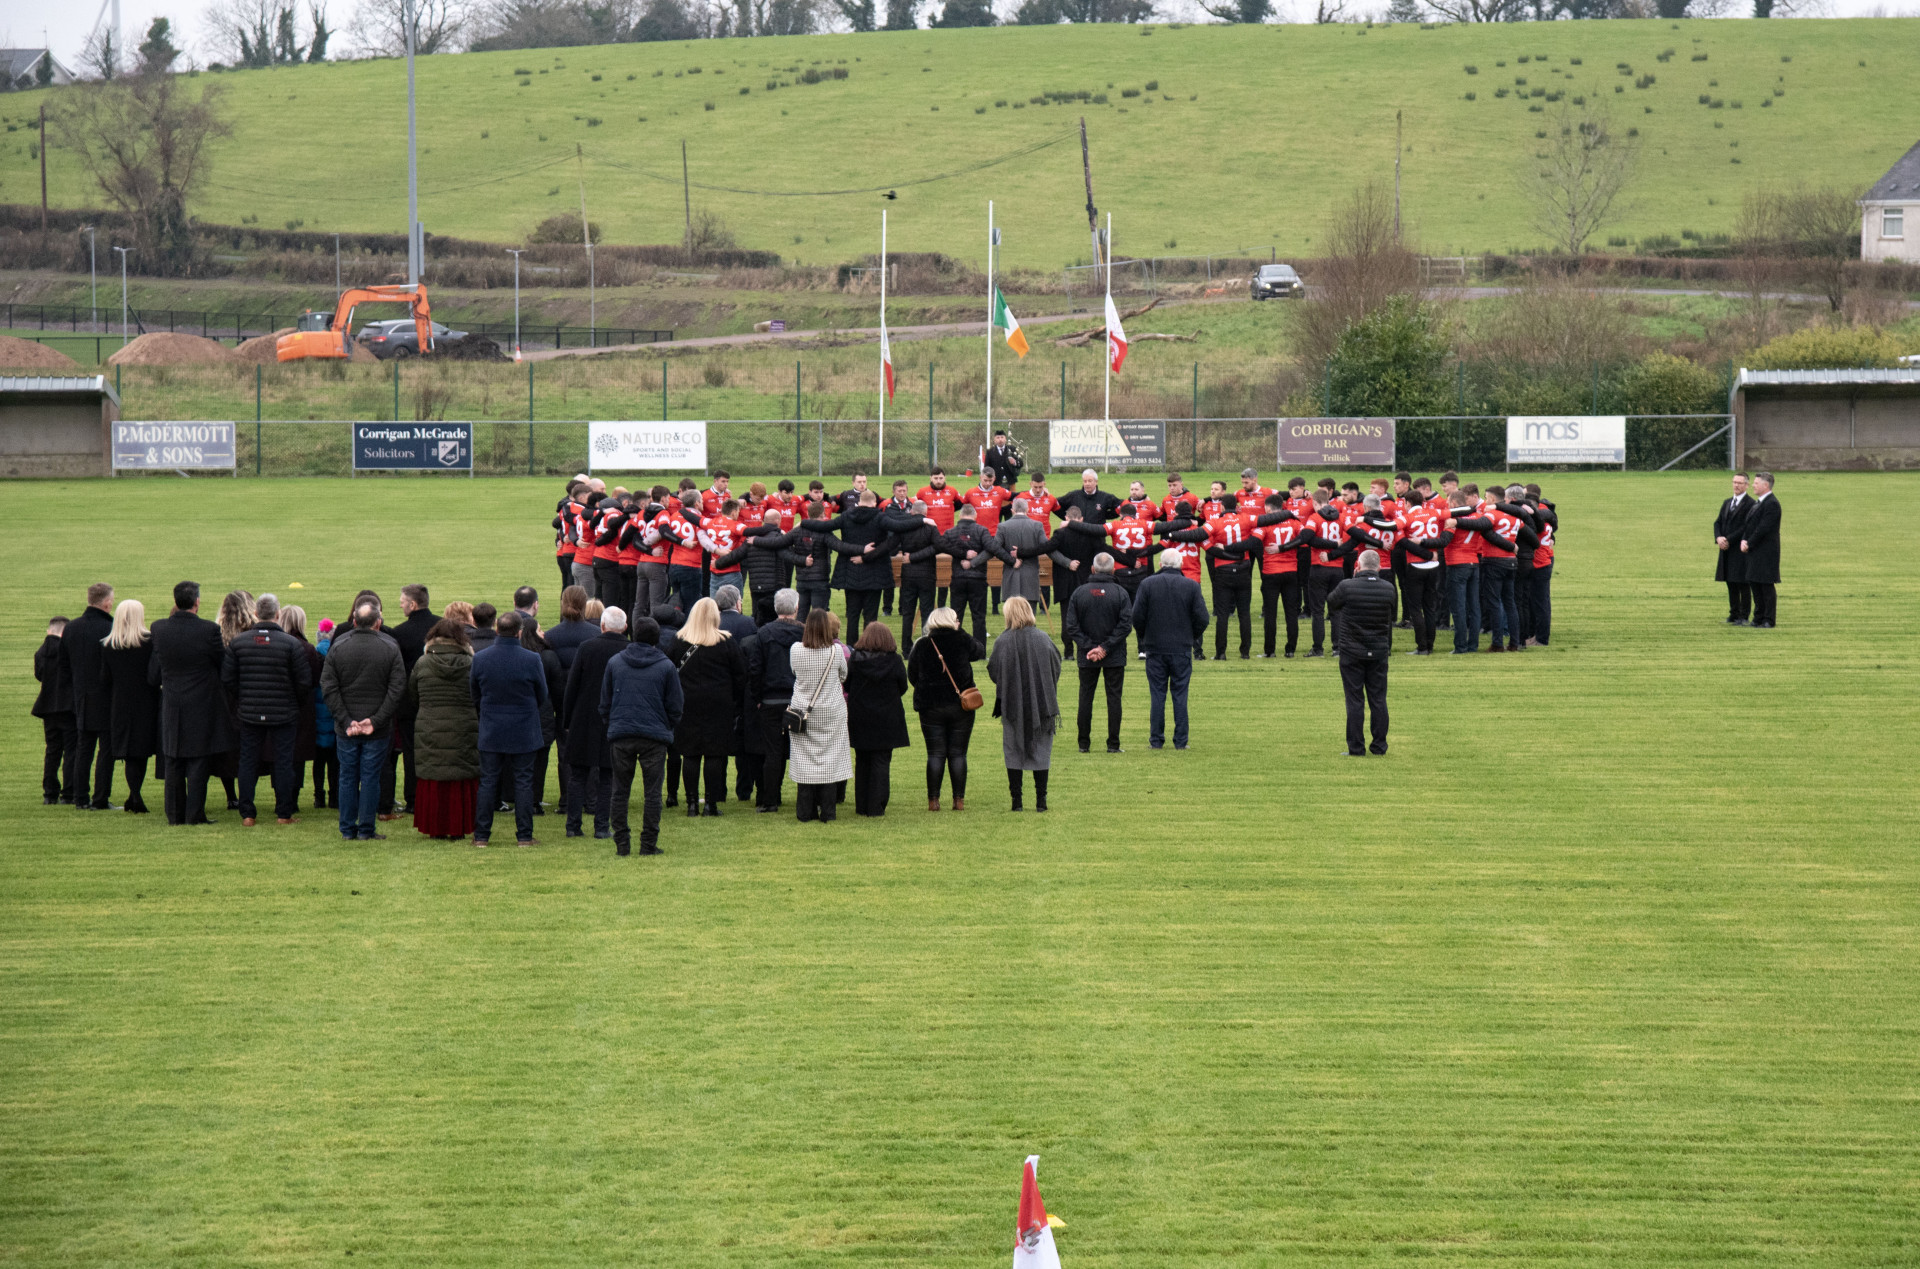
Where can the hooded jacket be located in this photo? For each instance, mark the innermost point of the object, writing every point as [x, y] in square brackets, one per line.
[640, 695]
[446, 728]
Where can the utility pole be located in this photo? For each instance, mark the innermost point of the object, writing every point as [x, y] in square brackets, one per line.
[123, 295]
[1086, 170]
[686, 197]
[43, 165]
[1397, 149]
[586, 236]
[416, 249]
[516, 300]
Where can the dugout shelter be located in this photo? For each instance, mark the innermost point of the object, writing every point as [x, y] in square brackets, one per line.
[1827, 420]
[56, 426]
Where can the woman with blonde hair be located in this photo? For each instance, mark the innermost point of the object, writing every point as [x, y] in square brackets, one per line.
[236, 614]
[134, 729]
[1025, 669]
[713, 678]
[819, 754]
[306, 732]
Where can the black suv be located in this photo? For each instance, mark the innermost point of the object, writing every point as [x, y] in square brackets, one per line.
[398, 338]
[1277, 281]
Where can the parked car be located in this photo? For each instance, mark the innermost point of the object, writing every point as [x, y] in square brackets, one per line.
[398, 338]
[1277, 281]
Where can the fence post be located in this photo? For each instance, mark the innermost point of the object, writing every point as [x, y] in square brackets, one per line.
[1460, 388]
[117, 392]
[259, 374]
[530, 441]
[1063, 392]
[396, 389]
[663, 389]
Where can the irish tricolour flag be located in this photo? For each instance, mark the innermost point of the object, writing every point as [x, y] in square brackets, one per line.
[1033, 1248]
[1003, 318]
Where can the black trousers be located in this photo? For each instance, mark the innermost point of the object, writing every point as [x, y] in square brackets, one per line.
[629, 591]
[773, 769]
[1320, 584]
[1232, 593]
[56, 773]
[1764, 601]
[1522, 602]
[397, 772]
[95, 757]
[1446, 597]
[595, 783]
[763, 613]
[813, 595]
[1280, 594]
[1739, 601]
[186, 789]
[970, 597]
[1115, 673]
[886, 599]
[278, 742]
[914, 596]
[714, 766]
[862, 606]
[1542, 598]
[1369, 679]
[136, 770]
[516, 768]
[1420, 600]
[818, 801]
[566, 569]
[873, 772]
[651, 757]
[608, 586]
[947, 733]
[326, 769]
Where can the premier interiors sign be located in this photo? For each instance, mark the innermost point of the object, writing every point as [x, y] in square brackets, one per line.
[1336, 443]
[413, 447]
[172, 446]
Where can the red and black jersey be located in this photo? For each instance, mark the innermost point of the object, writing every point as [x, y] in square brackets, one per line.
[1254, 499]
[582, 535]
[719, 536]
[1170, 505]
[1543, 554]
[607, 518]
[941, 503]
[1280, 552]
[683, 537]
[786, 505]
[1040, 507]
[1327, 531]
[1507, 525]
[1464, 547]
[1131, 537]
[1426, 525]
[987, 504]
[710, 500]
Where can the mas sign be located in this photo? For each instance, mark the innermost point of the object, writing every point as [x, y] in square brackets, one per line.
[675, 446]
[1567, 438]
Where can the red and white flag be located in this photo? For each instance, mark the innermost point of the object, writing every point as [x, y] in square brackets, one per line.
[1033, 1248]
[886, 361]
[1116, 338]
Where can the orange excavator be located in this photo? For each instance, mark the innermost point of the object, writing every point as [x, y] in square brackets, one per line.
[317, 336]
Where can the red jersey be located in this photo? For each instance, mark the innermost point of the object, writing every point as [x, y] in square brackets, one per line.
[940, 505]
[1132, 534]
[1040, 507]
[1170, 504]
[1543, 554]
[1254, 499]
[987, 504]
[720, 536]
[1424, 524]
[1465, 546]
[1145, 508]
[1281, 554]
[1228, 528]
[606, 522]
[786, 505]
[711, 499]
[1386, 538]
[583, 536]
[631, 531]
[1301, 507]
[1506, 526]
[1331, 531]
[1189, 553]
[1211, 508]
[684, 538]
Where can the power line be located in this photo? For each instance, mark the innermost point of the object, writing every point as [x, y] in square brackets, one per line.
[829, 193]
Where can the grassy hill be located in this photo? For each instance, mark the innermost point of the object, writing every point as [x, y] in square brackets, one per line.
[1244, 138]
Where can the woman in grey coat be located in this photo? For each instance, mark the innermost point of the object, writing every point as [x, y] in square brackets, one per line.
[820, 756]
[1025, 669]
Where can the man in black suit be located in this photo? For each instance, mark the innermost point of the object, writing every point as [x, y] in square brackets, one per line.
[1364, 640]
[1760, 548]
[1001, 461]
[81, 654]
[1731, 566]
[194, 724]
[411, 635]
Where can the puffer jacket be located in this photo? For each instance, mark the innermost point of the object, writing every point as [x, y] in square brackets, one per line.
[267, 674]
[640, 695]
[1365, 604]
[857, 569]
[446, 727]
[769, 665]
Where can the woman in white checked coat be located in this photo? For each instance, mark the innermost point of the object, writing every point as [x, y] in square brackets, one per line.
[820, 757]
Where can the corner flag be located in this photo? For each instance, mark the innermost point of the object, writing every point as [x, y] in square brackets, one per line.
[1033, 1248]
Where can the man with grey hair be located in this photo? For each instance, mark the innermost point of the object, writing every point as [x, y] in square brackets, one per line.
[732, 620]
[1019, 542]
[363, 683]
[1169, 616]
[770, 691]
[589, 755]
[1097, 618]
[1364, 641]
[268, 677]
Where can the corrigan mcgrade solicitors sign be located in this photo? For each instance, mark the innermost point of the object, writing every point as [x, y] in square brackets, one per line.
[413, 447]
[172, 446]
[1336, 443]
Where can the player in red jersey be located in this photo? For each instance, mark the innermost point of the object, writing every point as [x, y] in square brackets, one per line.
[1278, 531]
[1424, 536]
[1144, 507]
[1252, 495]
[718, 535]
[678, 524]
[941, 499]
[1134, 547]
[1176, 494]
[1540, 589]
[1229, 545]
[1501, 550]
[1321, 531]
[711, 499]
[1041, 507]
[989, 503]
[1462, 558]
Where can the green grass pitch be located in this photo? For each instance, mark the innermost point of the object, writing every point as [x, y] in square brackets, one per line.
[1238, 137]
[1609, 961]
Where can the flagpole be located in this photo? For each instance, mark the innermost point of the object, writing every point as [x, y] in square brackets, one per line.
[1106, 446]
[880, 467]
[988, 438]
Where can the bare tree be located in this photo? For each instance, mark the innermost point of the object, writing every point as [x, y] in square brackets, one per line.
[144, 140]
[1815, 227]
[1248, 12]
[1366, 265]
[1479, 10]
[1554, 322]
[101, 58]
[1579, 175]
[1326, 12]
[438, 26]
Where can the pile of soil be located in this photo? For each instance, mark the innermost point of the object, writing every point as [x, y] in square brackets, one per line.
[262, 350]
[472, 348]
[24, 354]
[173, 348]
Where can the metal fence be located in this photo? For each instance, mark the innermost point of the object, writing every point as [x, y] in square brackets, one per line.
[773, 448]
[103, 325]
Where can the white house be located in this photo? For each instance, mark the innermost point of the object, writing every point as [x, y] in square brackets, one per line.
[19, 68]
[1890, 213]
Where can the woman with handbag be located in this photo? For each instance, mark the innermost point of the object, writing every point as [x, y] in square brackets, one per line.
[713, 677]
[817, 717]
[876, 721]
[1025, 668]
[940, 669]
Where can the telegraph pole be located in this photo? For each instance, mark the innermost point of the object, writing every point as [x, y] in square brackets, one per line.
[1086, 170]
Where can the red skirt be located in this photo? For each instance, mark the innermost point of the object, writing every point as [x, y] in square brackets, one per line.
[444, 808]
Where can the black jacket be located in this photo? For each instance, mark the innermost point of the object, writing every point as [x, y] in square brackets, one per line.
[714, 680]
[187, 656]
[1730, 565]
[364, 678]
[580, 718]
[136, 701]
[876, 719]
[1761, 533]
[1075, 542]
[80, 649]
[931, 690]
[1003, 465]
[565, 639]
[769, 663]
[1169, 613]
[56, 688]
[1099, 614]
[759, 556]
[411, 635]
[920, 542]
[1365, 604]
[267, 675]
[1097, 507]
[819, 546]
[964, 536]
[640, 695]
[857, 570]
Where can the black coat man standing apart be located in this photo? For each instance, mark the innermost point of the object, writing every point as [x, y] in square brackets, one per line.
[1760, 545]
[1169, 615]
[1365, 604]
[1731, 565]
[1099, 616]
